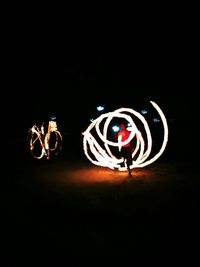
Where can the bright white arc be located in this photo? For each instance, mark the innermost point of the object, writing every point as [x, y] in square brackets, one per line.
[165, 137]
[99, 152]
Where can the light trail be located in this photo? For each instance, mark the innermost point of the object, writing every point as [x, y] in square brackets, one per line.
[99, 152]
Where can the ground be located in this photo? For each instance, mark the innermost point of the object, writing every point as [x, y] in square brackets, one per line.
[65, 212]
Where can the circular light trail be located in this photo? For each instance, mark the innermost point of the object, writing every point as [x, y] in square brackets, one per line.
[98, 148]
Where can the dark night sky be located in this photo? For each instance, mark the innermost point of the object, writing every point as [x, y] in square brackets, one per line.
[63, 47]
[62, 59]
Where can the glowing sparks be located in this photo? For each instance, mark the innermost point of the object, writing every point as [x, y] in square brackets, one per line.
[99, 147]
[41, 143]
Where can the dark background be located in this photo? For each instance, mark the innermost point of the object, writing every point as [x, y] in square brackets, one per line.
[64, 60]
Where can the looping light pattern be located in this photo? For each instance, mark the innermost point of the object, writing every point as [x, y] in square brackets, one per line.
[99, 147]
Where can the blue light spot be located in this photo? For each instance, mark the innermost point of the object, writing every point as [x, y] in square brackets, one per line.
[156, 120]
[115, 128]
[144, 111]
[100, 108]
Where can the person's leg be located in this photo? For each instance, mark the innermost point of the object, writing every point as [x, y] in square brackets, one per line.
[129, 161]
[127, 156]
[127, 164]
[129, 170]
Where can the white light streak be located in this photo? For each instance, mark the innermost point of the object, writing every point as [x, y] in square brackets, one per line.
[98, 148]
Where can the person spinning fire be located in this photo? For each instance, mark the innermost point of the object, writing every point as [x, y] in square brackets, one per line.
[127, 149]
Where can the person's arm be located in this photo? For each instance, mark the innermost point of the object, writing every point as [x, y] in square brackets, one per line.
[119, 142]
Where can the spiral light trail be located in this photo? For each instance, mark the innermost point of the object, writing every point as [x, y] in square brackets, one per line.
[98, 148]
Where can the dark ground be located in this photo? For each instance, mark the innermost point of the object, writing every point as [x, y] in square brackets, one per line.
[68, 212]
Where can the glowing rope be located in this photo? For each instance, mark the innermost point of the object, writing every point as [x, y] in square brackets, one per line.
[101, 154]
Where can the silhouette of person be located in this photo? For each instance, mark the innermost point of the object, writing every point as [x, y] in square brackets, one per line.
[127, 149]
